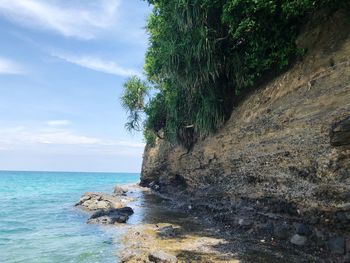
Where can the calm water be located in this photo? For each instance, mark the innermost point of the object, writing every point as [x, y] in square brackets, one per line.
[38, 221]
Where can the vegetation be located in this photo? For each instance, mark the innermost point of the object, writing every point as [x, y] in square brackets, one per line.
[203, 54]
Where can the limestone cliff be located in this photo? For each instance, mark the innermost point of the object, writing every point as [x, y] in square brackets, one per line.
[285, 151]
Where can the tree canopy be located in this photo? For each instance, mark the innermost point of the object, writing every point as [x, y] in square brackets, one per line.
[203, 53]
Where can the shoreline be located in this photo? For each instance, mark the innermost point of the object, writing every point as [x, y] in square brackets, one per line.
[161, 230]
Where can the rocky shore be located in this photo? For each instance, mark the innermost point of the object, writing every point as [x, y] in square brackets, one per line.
[157, 229]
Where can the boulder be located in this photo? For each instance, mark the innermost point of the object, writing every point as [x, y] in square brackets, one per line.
[98, 201]
[111, 216]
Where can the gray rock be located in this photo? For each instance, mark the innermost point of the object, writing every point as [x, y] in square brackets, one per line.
[161, 257]
[119, 191]
[298, 240]
[111, 216]
[97, 201]
[282, 231]
[337, 245]
[102, 205]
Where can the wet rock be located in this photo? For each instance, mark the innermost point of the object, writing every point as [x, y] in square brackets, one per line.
[298, 240]
[111, 216]
[119, 191]
[337, 245]
[161, 257]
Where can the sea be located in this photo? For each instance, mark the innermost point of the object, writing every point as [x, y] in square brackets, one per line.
[39, 223]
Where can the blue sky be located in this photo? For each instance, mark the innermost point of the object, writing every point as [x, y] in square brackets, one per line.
[62, 66]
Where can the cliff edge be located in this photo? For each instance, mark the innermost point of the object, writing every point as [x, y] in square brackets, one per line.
[284, 155]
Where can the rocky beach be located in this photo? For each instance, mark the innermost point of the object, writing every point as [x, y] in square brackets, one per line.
[157, 229]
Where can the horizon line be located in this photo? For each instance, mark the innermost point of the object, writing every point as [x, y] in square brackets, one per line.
[61, 171]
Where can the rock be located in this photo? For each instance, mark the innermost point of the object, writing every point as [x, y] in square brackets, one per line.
[111, 216]
[167, 231]
[97, 201]
[154, 186]
[102, 205]
[267, 228]
[298, 240]
[119, 191]
[337, 245]
[135, 255]
[282, 231]
[340, 133]
[343, 218]
[244, 222]
[304, 230]
[84, 198]
[160, 256]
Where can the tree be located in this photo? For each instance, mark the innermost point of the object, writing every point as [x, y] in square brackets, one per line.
[133, 100]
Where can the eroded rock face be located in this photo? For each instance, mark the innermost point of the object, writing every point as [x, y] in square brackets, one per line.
[285, 151]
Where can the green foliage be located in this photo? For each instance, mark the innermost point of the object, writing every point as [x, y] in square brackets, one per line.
[204, 53]
[133, 100]
[150, 137]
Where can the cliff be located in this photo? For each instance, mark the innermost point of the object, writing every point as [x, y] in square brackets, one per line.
[285, 152]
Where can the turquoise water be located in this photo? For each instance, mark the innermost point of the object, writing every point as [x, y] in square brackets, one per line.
[39, 223]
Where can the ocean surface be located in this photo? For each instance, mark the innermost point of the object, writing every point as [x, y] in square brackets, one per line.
[39, 223]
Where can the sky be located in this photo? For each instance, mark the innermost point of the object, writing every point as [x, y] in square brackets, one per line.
[62, 67]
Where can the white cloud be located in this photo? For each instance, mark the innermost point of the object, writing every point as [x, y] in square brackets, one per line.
[55, 123]
[23, 136]
[62, 17]
[10, 67]
[97, 64]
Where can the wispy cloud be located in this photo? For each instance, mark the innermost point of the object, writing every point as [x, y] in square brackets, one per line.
[62, 17]
[25, 136]
[97, 64]
[10, 67]
[56, 123]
